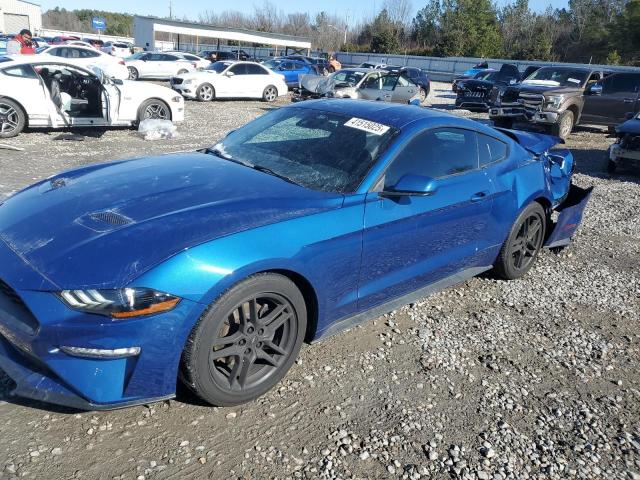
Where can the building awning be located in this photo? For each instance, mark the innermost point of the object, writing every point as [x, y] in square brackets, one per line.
[240, 35]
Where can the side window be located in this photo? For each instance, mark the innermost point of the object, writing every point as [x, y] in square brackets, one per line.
[154, 57]
[404, 81]
[24, 71]
[608, 84]
[58, 52]
[372, 82]
[389, 81]
[238, 69]
[435, 153]
[88, 54]
[490, 150]
[169, 58]
[627, 82]
[595, 76]
[255, 70]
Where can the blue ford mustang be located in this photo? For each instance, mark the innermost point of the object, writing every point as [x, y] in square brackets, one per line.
[117, 280]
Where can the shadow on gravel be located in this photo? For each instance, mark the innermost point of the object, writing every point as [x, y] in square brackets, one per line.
[92, 132]
[593, 162]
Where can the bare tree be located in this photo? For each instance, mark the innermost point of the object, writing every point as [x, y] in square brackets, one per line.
[297, 24]
[399, 11]
[267, 18]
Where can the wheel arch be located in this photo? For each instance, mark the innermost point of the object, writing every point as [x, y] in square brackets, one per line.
[575, 109]
[24, 110]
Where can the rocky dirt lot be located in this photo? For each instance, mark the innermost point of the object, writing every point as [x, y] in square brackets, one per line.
[537, 378]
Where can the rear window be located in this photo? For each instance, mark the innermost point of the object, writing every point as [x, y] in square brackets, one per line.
[490, 150]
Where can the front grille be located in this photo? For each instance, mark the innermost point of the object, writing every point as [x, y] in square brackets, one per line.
[176, 81]
[468, 94]
[111, 218]
[15, 312]
[511, 95]
[531, 99]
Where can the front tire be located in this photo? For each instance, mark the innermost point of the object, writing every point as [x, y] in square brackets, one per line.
[423, 95]
[133, 73]
[270, 94]
[246, 341]
[520, 250]
[154, 109]
[564, 126]
[12, 118]
[205, 92]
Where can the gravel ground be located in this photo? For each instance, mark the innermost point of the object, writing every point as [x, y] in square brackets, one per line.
[536, 378]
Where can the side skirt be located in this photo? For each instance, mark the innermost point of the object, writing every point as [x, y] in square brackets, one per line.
[377, 311]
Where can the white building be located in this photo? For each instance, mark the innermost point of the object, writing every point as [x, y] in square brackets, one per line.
[17, 14]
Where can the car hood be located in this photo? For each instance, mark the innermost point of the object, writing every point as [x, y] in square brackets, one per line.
[146, 89]
[102, 226]
[630, 126]
[198, 75]
[530, 88]
[476, 85]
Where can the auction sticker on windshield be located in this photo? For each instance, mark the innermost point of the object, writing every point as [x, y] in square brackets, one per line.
[367, 126]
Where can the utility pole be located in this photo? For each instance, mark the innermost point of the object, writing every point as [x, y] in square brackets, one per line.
[170, 10]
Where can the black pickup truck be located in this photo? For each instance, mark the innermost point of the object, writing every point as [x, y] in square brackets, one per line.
[563, 97]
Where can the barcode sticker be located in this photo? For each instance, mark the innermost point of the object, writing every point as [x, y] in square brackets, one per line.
[367, 126]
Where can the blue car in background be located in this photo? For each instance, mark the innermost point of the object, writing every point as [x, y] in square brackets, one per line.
[291, 69]
[117, 280]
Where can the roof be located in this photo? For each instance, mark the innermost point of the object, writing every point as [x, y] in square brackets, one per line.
[190, 28]
[391, 114]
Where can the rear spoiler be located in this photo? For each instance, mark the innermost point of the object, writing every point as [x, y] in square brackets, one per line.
[536, 143]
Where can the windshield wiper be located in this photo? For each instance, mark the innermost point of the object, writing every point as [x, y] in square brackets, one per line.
[218, 153]
[267, 170]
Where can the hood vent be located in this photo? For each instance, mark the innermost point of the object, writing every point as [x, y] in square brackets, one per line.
[104, 221]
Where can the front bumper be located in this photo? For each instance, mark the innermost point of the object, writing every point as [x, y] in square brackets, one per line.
[617, 153]
[518, 112]
[187, 90]
[475, 103]
[31, 353]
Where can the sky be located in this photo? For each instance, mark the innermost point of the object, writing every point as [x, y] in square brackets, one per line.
[354, 10]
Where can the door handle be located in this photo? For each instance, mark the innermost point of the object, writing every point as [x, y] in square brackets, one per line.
[477, 197]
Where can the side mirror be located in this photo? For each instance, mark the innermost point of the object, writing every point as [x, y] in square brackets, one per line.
[411, 185]
[229, 74]
[595, 89]
[415, 102]
[117, 81]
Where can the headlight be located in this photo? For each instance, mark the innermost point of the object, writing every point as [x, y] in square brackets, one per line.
[176, 99]
[554, 101]
[122, 303]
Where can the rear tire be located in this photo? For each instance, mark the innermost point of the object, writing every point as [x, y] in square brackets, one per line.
[563, 127]
[246, 341]
[12, 118]
[154, 109]
[270, 94]
[205, 92]
[522, 246]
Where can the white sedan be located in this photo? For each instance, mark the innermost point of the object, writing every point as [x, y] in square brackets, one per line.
[198, 62]
[157, 65]
[117, 49]
[89, 57]
[231, 80]
[44, 91]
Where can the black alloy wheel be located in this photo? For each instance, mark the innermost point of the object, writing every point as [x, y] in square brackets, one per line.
[12, 118]
[520, 250]
[133, 73]
[246, 342]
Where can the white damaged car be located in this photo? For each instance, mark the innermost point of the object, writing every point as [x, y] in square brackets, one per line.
[229, 79]
[45, 92]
